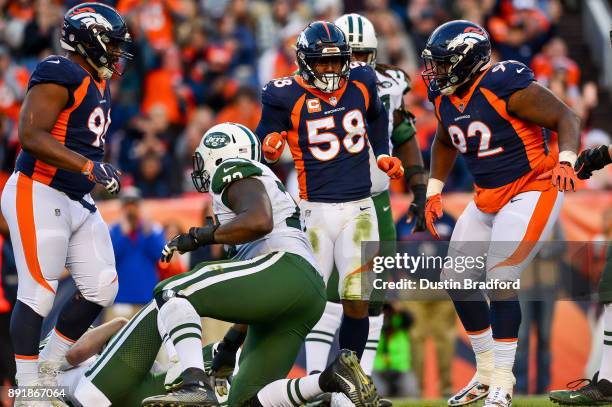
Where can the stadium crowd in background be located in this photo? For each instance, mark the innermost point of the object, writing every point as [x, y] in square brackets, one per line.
[202, 62]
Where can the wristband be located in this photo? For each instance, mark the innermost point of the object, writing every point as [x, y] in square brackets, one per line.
[568, 156]
[87, 168]
[434, 187]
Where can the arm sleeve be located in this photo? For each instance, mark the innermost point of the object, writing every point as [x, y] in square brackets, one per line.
[274, 114]
[378, 121]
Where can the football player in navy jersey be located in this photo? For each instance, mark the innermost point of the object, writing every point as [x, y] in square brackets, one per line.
[493, 114]
[52, 218]
[327, 113]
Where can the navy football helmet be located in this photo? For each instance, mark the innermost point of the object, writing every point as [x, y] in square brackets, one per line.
[455, 52]
[97, 32]
[319, 41]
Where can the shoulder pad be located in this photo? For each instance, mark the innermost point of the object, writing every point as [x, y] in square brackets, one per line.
[233, 170]
[505, 78]
[59, 70]
[279, 92]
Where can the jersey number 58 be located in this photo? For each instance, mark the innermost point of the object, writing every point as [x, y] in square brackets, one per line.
[353, 140]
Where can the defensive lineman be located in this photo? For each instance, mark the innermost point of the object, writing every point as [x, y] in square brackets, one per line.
[52, 219]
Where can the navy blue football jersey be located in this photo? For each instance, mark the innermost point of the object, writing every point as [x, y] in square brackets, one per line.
[498, 147]
[81, 126]
[328, 133]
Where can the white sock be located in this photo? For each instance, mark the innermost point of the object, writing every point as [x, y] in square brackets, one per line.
[56, 347]
[290, 392]
[182, 323]
[503, 359]
[168, 345]
[482, 344]
[605, 370]
[320, 339]
[27, 371]
[369, 353]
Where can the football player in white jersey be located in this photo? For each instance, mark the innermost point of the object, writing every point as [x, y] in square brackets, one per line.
[393, 83]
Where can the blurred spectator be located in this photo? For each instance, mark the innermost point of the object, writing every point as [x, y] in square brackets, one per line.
[137, 243]
[272, 18]
[279, 61]
[13, 82]
[41, 33]
[152, 176]
[244, 109]
[392, 367]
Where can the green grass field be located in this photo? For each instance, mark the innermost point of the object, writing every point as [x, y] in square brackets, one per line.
[517, 402]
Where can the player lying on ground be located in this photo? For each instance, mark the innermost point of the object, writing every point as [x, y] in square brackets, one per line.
[598, 390]
[271, 284]
[52, 218]
[330, 116]
[494, 115]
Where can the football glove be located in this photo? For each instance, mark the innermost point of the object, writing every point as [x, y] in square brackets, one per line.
[183, 242]
[433, 212]
[416, 210]
[562, 177]
[591, 160]
[273, 146]
[103, 174]
[206, 234]
[391, 165]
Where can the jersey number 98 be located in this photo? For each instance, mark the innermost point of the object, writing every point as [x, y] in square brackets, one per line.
[353, 140]
[98, 124]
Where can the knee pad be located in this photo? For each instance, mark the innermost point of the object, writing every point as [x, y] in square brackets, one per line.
[106, 290]
[41, 300]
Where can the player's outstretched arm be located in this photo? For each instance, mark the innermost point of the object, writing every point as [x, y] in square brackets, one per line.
[41, 107]
[93, 341]
[536, 104]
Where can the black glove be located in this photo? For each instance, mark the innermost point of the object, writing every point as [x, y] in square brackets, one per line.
[224, 359]
[104, 174]
[592, 160]
[182, 243]
[416, 210]
[206, 234]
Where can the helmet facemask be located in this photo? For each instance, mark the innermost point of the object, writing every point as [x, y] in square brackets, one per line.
[199, 176]
[106, 54]
[327, 81]
[367, 55]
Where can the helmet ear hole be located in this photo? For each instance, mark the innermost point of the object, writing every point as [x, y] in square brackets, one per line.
[218, 161]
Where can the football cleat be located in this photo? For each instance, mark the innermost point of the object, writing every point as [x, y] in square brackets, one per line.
[322, 400]
[193, 391]
[595, 393]
[471, 393]
[344, 375]
[498, 397]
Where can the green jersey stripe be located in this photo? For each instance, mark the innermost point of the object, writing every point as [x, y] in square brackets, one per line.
[289, 393]
[188, 335]
[297, 391]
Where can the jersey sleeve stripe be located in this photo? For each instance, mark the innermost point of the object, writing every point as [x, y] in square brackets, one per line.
[27, 229]
[294, 146]
[537, 223]
[364, 90]
[532, 139]
[44, 172]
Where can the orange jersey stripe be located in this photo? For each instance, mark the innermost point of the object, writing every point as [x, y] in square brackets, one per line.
[44, 172]
[25, 357]
[530, 134]
[437, 102]
[27, 229]
[460, 103]
[364, 90]
[294, 145]
[536, 225]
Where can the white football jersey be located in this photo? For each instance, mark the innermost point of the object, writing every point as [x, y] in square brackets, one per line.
[287, 234]
[391, 91]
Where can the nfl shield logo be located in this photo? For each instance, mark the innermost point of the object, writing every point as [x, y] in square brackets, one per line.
[333, 101]
[461, 107]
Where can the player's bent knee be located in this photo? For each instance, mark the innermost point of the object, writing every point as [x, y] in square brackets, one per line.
[41, 303]
[105, 292]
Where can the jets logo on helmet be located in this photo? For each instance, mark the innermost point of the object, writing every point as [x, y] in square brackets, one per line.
[360, 34]
[455, 52]
[220, 143]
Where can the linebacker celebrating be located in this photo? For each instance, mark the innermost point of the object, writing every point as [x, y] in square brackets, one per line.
[493, 115]
[52, 219]
[327, 113]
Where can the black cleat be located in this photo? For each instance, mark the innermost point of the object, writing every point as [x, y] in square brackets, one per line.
[595, 393]
[193, 391]
[345, 375]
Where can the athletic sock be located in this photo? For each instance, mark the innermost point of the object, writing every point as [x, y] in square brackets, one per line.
[605, 371]
[504, 352]
[354, 334]
[183, 325]
[290, 392]
[369, 353]
[321, 337]
[482, 344]
[56, 347]
[25, 329]
[505, 323]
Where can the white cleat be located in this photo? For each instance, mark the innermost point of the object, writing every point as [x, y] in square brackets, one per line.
[471, 393]
[498, 397]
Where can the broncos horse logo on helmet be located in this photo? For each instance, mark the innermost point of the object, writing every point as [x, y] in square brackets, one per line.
[97, 32]
[455, 52]
[319, 41]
